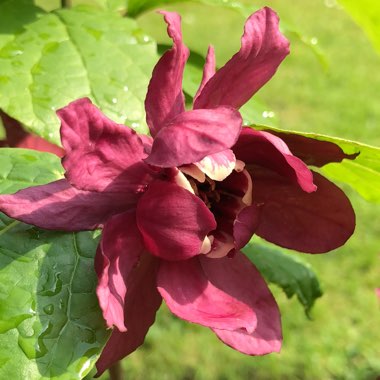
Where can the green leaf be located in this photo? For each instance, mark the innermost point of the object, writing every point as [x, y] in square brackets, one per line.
[362, 174]
[50, 59]
[16, 172]
[367, 14]
[50, 323]
[292, 275]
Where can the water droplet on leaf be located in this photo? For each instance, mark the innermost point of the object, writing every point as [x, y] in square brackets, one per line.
[49, 309]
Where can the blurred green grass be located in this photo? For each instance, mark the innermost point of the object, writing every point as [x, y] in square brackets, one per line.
[342, 340]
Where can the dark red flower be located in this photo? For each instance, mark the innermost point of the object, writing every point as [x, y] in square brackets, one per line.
[176, 209]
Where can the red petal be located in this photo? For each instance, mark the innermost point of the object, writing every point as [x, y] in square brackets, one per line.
[60, 206]
[141, 303]
[100, 154]
[193, 135]
[311, 151]
[245, 225]
[189, 294]
[208, 70]
[264, 149]
[118, 254]
[238, 277]
[262, 50]
[289, 217]
[172, 221]
[165, 99]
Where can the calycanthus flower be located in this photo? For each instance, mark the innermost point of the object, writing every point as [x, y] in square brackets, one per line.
[176, 208]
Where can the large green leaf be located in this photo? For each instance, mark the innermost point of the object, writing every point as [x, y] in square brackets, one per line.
[367, 14]
[362, 174]
[20, 168]
[292, 275]
[50, 59]
[50, 323]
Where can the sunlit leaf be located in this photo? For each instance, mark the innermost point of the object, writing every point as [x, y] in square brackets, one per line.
[367, 14]
[50, 59]
[362, 173]
[50, 322]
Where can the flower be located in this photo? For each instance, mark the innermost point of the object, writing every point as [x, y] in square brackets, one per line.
[176, 209]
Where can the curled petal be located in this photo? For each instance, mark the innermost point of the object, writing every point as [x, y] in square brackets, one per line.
[208, 70]
[235, 195]
[141, 303]
[172, 221]
[118, 254]
[194, 172]
[245, 225]
[289, 217]
[193, 135]
[238, 277]
[267, 150]
[60, 206]
[189, 294]
[312, 151]
[263, 48]
[100, 154]
[218, 166]
[165, 99]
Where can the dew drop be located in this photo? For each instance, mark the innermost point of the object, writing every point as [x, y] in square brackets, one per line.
[114, 100]
[16, 52]
[125, 88]
[268, 114]
[49, 309]
[314, 41]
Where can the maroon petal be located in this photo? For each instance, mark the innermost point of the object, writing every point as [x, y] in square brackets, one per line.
[193, 135]
[60, 206]
[235, 194]
[262, 50]
[189, 294]
[269, 151]
[289, 217]
[119, 253]
[141, 303]
[312, 151]
[172, 221]
[100, 154]
[165, 99]
[245, 225]
[238, 277]
[208, 70]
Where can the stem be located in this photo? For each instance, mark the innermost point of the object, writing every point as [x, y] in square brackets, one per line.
[116, 372]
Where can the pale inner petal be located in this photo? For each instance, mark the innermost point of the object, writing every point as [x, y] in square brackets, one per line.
[193, 171]
[218, 166]
[181, 180]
